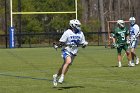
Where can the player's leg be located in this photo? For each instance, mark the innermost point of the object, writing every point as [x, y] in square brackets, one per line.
[119, 49]
[68, 62]
[129, 57]
[55, 76]
[68, 59]
[65, 68]
[59, 73]
[133, 53]
[137, 60]
[119, 60]
[65, 56]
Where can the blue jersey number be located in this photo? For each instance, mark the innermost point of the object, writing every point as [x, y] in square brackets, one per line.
[75, 42]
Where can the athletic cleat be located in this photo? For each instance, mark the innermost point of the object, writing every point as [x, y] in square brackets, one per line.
[131, 64]
[61, 80]
[137, 61]
[55, 80]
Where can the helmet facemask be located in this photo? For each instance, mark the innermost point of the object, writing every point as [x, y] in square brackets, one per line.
[132, 22]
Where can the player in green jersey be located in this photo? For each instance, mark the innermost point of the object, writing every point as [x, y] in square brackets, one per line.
[120, 41]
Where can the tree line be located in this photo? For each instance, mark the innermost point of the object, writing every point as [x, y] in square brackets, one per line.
[93, 14]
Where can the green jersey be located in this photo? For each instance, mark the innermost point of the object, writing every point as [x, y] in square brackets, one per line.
[120, 35]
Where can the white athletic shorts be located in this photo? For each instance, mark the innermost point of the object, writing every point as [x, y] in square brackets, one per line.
[65, 54]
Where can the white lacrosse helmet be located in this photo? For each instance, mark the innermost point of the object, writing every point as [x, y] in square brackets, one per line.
[121, 23]
[75, 24]
[132, 20]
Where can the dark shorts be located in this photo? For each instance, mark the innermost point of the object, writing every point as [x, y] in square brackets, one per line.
[124, 47]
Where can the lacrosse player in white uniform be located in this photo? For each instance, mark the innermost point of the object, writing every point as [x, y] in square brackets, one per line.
[70, 40]
[134, 34]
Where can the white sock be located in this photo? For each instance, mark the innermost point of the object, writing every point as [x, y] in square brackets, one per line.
[119, 62]
[62, 75]
[129, 62]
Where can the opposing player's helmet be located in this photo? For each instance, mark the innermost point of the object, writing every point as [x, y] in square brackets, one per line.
[76, 24]
[121, 23]
[132, 20]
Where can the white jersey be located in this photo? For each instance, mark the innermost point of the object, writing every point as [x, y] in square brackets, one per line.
[72, 39]
[134, 32]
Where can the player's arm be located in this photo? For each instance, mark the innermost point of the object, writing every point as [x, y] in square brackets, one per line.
[83, 42]
[114, 42]
[62, 41]
[113, 37]
[58, 45]
[128, 39]
[137, 31]
[127, 36]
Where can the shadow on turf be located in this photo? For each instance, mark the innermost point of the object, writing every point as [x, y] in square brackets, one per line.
[122, 66]
[23, 77]
[69, 87]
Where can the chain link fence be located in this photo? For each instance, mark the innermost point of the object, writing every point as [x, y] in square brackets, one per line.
[30, 40]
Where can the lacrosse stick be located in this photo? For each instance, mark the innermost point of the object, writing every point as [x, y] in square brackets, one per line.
[55, 46]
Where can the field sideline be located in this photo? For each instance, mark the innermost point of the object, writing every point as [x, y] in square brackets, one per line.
[30, 70]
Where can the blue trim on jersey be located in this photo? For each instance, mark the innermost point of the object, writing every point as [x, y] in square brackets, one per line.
[65, 54]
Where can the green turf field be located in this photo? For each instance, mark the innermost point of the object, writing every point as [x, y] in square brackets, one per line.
[30, 70]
